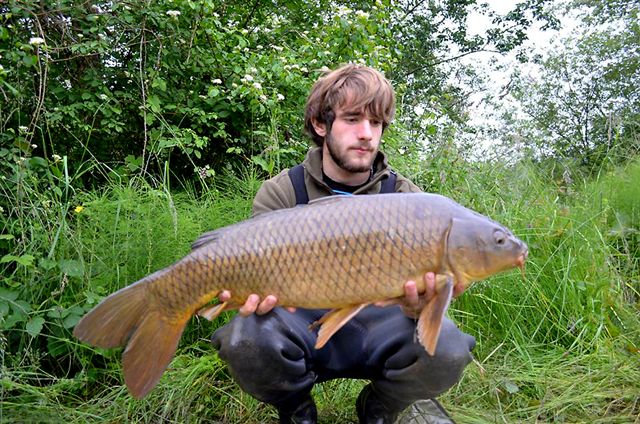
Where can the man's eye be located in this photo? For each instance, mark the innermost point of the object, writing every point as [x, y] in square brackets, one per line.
[375, 122]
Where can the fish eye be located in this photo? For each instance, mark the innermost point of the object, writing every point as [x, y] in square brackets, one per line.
[500, 238]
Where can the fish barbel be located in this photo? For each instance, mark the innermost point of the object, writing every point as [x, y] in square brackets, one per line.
[342, 253]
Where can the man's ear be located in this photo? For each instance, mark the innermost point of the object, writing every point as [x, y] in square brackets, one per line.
[319, 127]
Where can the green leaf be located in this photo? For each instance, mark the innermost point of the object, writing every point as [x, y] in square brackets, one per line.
[57, 312]
[57, 347]
[154, 103]
[13, 284]
[47, 264]
[29, 60]
[71, 267]
[34, 326]
[259, 160]
[24, 260]
[4, 309]
[38, 161]
[71, 321]
[21, 307]
[8, 295]
[160, 84]
[6, 237]
[133, 162]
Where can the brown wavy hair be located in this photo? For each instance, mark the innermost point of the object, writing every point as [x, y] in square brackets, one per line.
[361, 87]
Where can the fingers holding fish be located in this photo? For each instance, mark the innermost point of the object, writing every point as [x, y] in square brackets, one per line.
[413, 302]
[429, 286]
[254, 304]
[411, 296]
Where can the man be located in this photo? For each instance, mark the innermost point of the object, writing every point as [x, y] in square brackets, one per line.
[270, 351]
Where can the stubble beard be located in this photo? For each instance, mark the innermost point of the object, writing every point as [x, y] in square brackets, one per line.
[341, 159]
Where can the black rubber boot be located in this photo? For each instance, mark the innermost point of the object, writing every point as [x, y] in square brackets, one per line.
[371, 410]
[303, 412]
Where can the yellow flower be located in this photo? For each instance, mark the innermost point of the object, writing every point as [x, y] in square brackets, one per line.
[79, 209]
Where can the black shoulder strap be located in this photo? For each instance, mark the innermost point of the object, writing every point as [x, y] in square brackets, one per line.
[388, 185]
[296, 175]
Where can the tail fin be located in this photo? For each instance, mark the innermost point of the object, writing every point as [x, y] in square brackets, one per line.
[131, 317]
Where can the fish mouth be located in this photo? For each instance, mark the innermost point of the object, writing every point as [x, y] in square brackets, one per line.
[521, 261]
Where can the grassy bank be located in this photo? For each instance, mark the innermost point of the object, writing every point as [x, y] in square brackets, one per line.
[561, 345]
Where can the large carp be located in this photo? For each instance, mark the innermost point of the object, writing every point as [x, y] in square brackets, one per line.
[341, 252]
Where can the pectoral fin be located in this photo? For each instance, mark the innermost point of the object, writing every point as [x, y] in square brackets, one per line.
[430, 320]
[333, 320]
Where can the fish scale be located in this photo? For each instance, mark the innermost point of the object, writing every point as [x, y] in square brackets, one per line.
[340, 253]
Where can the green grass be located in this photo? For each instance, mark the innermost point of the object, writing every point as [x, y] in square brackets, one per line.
[561, 345]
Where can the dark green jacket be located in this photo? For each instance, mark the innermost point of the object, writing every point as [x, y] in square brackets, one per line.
[278, 192]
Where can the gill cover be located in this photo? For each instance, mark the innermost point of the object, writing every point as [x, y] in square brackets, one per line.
[478, 247]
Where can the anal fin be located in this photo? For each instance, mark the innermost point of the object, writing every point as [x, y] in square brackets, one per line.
[333, 321]
[430, 320]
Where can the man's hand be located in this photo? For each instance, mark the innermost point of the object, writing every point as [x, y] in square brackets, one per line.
[253, 304]
[413, 302]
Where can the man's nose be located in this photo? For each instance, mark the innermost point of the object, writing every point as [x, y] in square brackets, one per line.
[364, 130]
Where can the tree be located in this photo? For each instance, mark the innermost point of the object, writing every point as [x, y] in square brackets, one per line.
[584, 103]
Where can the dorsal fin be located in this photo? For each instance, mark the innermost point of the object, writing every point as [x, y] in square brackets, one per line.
[213, 235]
[207, 238]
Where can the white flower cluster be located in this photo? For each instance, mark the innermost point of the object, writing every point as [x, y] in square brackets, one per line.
[173, 13]
[343, 11]
[36, 41]
[296, 66]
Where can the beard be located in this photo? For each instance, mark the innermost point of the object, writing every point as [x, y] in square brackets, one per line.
[341, 159]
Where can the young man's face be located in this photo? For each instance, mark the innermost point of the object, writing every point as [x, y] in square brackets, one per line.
[353, 141]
